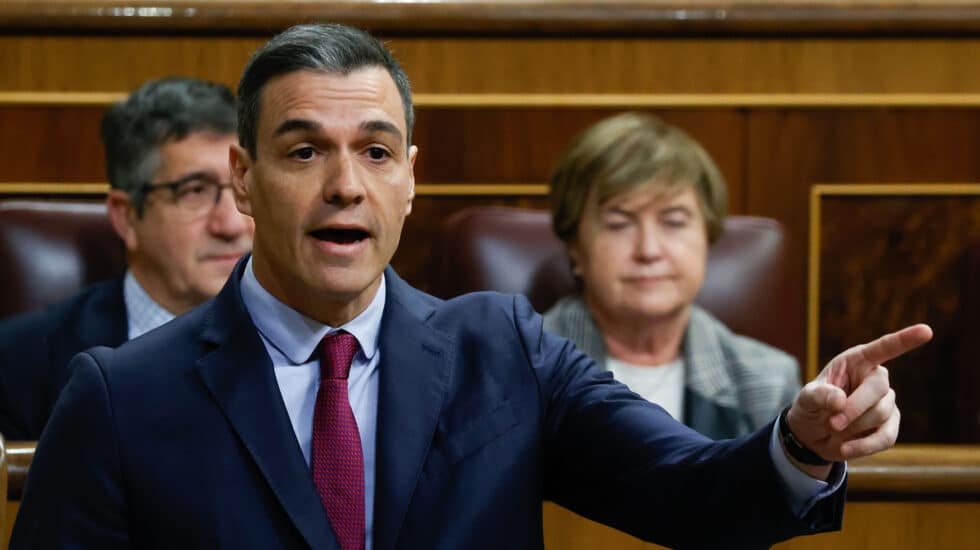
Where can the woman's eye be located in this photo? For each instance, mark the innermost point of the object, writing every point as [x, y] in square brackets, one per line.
[676, 222]
[303, 153]
[616, 225]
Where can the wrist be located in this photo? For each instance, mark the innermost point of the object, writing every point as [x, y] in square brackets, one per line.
[798, 452]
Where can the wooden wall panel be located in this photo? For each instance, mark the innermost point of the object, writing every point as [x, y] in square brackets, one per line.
[892, 525]
[789, 150]
[521, 145]
[58, 143]
[889, 260]
[664, 65]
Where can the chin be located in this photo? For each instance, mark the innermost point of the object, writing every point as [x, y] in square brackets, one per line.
[344, 284]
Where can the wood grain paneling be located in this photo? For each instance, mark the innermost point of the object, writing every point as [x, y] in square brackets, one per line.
[507, 16]
[892, 525]
[522, 144]
[790, 150]
[60, 143]
[51, 144]
[120, 62]
[890, 261]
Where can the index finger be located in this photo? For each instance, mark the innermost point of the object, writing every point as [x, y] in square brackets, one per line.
[892, 345]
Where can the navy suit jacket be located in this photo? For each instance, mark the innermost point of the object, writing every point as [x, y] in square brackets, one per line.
[180, 438]
[36, 348]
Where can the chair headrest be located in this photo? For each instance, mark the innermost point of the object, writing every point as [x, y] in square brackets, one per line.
[50, 250]
[514, 250]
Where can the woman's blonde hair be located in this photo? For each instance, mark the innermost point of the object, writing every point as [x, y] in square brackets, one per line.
[628, 151]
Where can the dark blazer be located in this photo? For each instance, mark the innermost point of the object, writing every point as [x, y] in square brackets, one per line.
[36, 347]
[180, 439]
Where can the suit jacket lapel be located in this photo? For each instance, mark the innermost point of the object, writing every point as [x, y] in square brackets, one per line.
[414, 377]
[240, 376]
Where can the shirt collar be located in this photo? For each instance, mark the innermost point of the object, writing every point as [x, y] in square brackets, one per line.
[143, 314]
[297, 336]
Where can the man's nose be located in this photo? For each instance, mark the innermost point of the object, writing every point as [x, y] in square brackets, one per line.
[343, 185]
[225, 220]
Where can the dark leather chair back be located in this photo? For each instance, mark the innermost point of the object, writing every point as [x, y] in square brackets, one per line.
[50, 250]
[514, 250]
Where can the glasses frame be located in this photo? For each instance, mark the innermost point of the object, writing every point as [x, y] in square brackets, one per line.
[174, 187]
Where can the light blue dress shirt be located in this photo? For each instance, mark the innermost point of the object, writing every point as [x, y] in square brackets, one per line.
[291, 338]
[143, 314]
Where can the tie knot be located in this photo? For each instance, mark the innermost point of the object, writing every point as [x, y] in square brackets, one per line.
[336, 352]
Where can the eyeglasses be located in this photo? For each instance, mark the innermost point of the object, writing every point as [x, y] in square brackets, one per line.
[194, 194]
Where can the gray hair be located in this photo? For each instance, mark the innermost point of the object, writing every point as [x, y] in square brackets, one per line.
[321, 47]
[133, 130]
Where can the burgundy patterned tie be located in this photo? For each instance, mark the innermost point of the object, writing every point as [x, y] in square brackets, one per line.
[338, 464]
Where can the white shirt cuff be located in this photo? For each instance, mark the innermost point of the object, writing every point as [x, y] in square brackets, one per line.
[803, 491]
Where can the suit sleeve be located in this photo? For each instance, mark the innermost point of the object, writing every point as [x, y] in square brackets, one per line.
[25, 370]
[620, 460]
[74, 496]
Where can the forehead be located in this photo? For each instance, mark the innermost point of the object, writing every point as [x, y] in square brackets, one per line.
[655, 195]
[333, 100]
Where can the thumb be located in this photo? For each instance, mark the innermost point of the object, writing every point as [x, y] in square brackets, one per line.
[820, 398]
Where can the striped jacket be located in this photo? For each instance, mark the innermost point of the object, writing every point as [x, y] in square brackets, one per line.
[734, 385]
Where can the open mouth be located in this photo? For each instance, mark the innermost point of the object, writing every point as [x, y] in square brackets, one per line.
[340, 236]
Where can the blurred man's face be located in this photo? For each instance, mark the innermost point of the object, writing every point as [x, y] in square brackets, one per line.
[183, 247]
[329, 188]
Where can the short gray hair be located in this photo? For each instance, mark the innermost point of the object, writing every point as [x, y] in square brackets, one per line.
[330, 48]
[133, 130]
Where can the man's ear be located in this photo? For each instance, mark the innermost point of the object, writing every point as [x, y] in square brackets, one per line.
[123, 217]
[413, 152]
[241, 172]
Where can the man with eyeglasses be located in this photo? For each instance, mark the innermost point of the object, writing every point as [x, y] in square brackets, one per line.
[166, 150]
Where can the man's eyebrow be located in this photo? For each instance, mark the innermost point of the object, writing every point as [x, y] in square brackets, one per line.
[295, 124]
[372, 126]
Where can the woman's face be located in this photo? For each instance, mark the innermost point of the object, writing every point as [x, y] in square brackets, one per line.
[642, 255]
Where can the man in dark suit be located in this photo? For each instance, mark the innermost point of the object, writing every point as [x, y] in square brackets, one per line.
[320, 401]
[166, 151]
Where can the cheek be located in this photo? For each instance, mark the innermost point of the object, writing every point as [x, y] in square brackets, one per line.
[690, 259]
[604, 260]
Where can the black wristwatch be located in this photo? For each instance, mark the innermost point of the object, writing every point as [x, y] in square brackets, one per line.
[794, 447]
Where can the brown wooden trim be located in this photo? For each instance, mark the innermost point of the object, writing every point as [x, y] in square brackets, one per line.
[481, 189]
[817, 192]
[575, 101]
[609, 17]
[813, 293]
[43, 189]
[762, 101]
[19, 455]
[939, 471]
[422, 190]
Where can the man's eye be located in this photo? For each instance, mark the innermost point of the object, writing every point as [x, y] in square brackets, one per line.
[303, 153]
[188, 189]
[378, 153]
